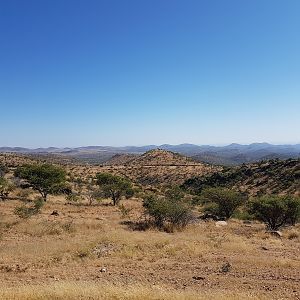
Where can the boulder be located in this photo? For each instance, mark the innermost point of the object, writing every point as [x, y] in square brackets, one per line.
[221, 223]
[208, 216]
[275, 233]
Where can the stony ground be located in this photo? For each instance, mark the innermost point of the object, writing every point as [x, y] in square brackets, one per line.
[96, 245]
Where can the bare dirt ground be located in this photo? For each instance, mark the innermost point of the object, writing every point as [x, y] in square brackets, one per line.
[61, 257]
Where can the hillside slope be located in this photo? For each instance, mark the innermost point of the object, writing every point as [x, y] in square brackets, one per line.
[160, 167]
[120, 159]
[157, 167]
[272, 176]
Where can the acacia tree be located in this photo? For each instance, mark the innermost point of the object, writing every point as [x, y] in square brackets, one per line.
[44, 178]
[114, 187]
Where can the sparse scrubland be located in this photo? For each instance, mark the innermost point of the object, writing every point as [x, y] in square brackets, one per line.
[119, 232]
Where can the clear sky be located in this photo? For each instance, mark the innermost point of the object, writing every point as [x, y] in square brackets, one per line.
[136, 72]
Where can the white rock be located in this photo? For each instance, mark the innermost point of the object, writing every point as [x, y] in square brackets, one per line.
[276, 233]
[221, 223]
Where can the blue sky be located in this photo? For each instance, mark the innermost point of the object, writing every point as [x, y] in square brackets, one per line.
[138, 72]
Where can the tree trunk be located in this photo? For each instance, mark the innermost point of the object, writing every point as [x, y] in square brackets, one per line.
[44, 195]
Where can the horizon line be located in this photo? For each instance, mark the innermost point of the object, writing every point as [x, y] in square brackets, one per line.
[155, 145]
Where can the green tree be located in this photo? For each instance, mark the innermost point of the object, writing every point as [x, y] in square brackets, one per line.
[221, 202]
[114, 187]
[276, 211]
[44, 178]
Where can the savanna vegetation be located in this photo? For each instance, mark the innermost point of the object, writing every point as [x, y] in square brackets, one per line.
[100, 226]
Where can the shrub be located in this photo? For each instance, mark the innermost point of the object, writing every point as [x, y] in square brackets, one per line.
[170, 209]
[293, 235]
[114, 187]
[26, 212]
[24, 194]
[243, 215]
[73, 198]
[222, 202]
[93, 195]
[125, 211]
[45, 178]
[3, 170]
[5, 188]
[276, 211]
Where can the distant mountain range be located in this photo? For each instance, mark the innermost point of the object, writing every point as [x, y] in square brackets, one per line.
[233, 154]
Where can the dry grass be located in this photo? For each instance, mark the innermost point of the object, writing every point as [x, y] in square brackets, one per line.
[293, 234]
[73, 246]
[93, 291]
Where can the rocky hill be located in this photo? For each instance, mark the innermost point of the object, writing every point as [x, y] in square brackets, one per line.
[159, 157]
[272, 176]
[120, 159]
[158, 167]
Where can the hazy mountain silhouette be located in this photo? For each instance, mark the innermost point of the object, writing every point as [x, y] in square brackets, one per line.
[232, 154]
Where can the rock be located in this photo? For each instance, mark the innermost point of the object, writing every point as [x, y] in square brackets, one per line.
[226, 267]
[221, 223]
[103, 270]
[247, 222]
[208, 216]
[275, 233]
[264, 248]
[198, 277]
[55, 213]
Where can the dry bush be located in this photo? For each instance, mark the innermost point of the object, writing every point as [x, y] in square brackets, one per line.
[293, 235]
[24, 194]
[27, 211]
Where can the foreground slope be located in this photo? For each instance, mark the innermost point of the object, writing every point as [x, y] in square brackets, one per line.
[61, 257]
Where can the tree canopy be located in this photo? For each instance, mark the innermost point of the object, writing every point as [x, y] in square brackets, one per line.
[44, 178]
[114, 187]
